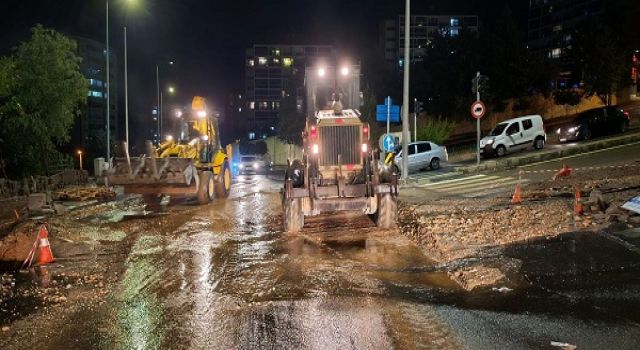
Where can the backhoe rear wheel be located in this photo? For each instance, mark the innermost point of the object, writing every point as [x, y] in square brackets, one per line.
[293, 216]
[387, 211]
[206, 189]
[224, 182]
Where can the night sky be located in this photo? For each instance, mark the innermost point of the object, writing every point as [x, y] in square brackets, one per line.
[207, 38]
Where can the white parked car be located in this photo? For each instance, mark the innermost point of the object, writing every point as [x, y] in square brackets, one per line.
[423, 155]
[514, 135]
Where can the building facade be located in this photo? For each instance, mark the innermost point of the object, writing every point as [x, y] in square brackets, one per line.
[91, 125]
[551, 23]
[422, 31]
[271, 72]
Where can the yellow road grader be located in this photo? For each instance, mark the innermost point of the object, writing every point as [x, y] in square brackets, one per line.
[190, 163]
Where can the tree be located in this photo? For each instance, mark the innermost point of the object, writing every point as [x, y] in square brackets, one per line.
[597, 58]
[40, 90]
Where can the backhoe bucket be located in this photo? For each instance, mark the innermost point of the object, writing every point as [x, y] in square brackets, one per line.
[149, 175]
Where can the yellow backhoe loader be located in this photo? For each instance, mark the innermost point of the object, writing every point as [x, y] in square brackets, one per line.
[189, 163]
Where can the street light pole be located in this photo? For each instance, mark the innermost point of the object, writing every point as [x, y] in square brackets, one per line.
[158, 98]
[126, 90]
[405, 92]
[108, 87]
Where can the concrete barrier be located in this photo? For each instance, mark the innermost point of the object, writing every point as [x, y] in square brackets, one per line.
[529, 158]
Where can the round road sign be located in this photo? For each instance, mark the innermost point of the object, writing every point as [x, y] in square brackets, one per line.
[478, 109]
[388, 142]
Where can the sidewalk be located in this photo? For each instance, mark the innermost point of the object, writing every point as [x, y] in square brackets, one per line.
[528, 158]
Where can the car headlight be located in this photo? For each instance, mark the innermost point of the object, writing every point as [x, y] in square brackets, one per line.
[573, 129]
[490, 141]
[256, 165]
[241, 166]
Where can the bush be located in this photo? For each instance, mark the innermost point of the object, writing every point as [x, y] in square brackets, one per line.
[436, 130]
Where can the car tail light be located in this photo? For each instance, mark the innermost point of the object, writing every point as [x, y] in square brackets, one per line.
[313, 133]
[626, 114]
[365, 131]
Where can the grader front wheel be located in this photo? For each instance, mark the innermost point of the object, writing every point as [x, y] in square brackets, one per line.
[293, 215]
[387, 211]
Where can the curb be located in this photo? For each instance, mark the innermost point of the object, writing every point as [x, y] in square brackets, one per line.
[510, 163]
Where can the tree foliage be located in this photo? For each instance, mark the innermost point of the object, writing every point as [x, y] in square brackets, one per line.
[41, 87]
[597, 58]
[435, 129]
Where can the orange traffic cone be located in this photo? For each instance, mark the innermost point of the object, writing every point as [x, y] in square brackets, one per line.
[45, 256]
[564, 172]
[577, 207]
[517, 197]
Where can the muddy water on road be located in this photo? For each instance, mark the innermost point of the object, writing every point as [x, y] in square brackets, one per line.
[224, 276]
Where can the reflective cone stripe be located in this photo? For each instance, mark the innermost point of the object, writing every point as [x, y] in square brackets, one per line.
[45, 256]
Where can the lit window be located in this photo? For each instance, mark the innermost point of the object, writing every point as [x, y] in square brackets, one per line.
[276, 60]
[251, 62]
[276, 52]
[455, 22]
[287, 61]
[95, 94]
[252, 105]
[262, 61]
[556, 53]
[252, 135]
[240, 109]
[454, 32]
[400, 62]
[557, 28]
[264, 105]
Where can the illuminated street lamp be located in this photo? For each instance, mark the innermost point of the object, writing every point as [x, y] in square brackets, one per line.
[178, 113]
[159, 96]
[344, 71]
[80, 155]
[322, 72]
[171, 90]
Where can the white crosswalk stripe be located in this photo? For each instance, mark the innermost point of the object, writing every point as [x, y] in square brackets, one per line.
[470, 186]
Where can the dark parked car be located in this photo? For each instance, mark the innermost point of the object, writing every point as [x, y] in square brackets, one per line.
[595, 122]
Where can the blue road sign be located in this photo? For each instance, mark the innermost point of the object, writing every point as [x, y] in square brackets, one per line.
[384, 111]
[389, 142]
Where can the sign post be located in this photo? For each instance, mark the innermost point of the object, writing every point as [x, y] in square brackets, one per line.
[477, 111]
[388, 112]
[478, 108]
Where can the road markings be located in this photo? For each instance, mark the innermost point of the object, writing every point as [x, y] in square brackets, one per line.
[474, 185]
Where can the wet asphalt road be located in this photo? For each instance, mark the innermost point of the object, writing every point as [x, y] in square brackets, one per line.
[224, 276]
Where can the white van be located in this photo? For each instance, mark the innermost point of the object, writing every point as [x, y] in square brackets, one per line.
[514, 135]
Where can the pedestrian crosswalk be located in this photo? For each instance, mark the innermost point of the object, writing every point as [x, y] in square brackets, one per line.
[469, 186]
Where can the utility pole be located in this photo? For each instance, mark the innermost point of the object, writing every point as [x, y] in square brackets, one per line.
[108, 53]
[478, 119]
[126, 90]
[405, 92]
[415, 119]
[158, 99]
